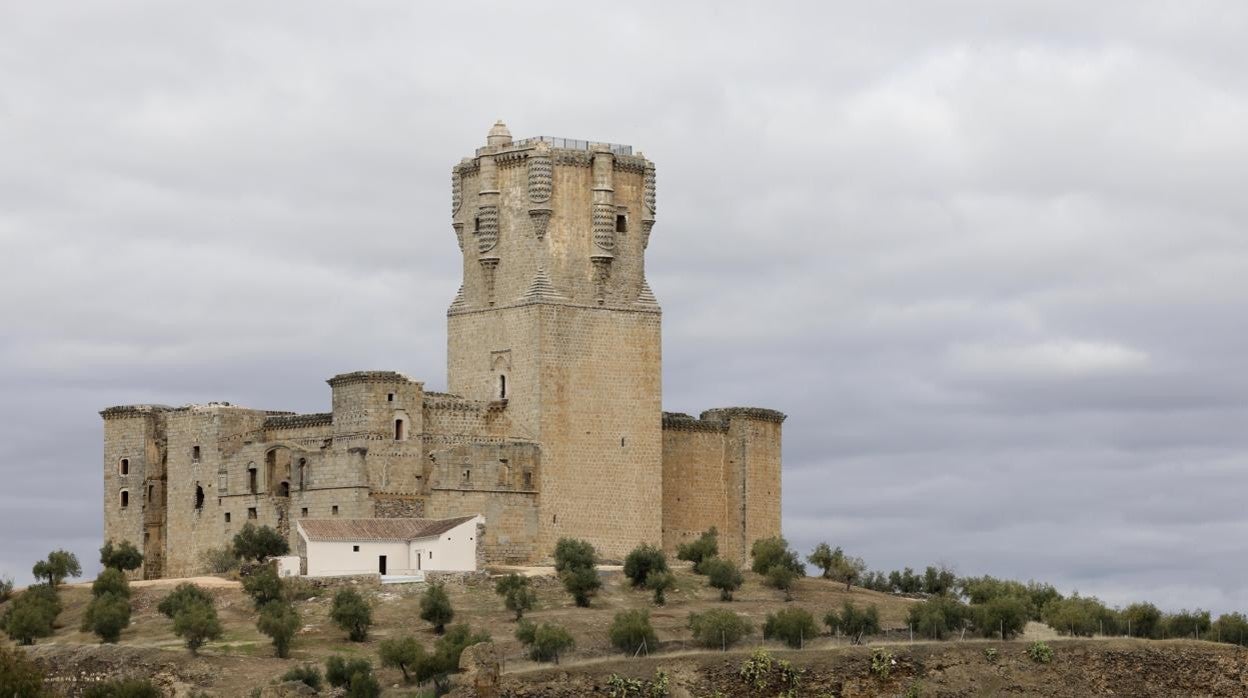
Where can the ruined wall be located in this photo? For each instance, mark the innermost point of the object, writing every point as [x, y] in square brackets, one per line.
[497, 480]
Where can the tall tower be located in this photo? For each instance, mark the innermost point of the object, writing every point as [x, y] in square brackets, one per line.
[555, 322]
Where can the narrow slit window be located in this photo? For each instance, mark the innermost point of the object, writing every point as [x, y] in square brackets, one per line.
[389, 397]
[303, 512]
[334, 510]
[502, 387]
[124, 467]
[227, 517]
[199, 497]
[251, 480]
[398, 430]
[621, 223]
[125, 499]
[195, 453]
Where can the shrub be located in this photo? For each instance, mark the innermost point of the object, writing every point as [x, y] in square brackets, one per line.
[181, 596]
[1230, 628]
[263, 585]
[571, 553]
[123, 556]
[196, 623]
[990, 654]
[435, 607]
[356, 675]
[1003, 616]
[111, 581]
[220, 560]
[31, 614]
[937, 617]
[643, 561]
[123, 688]
[1079, 615]
[905, 581]
[763, 675]
[704, 548]
[1141, 620]
[404, 653]
[351, 613]
[660, 583]
[517, 592]
[783, 578]
[723, 575]
[793, 626]
[718, 627]
[18, 675]
[631, 631]
[545, 641]
[1040, 652]
[835, 564]
[882, 662]
[444, 659]
[582, 583]
[107, 615]
[938, 580]
[280, 621]
[1186, 623]
[853, 622]
[6, 589]
[770, 552]
[58, 565]
[308, 674]
[259, 542]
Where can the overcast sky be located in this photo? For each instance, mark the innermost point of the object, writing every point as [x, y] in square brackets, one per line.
[990, 258]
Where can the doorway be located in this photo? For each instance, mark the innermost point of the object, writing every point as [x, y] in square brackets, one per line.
[381, 564]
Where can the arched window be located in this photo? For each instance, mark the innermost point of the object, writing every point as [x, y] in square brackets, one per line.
[502, 386]
[125, 499]
[124, 466]
[399, 434]
[283, 489]
[199, 497]
[303, 473]
[251, 478]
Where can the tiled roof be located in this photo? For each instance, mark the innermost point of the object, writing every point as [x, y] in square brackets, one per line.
[378, 529]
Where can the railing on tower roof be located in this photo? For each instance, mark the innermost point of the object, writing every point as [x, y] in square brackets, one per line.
[574, 144]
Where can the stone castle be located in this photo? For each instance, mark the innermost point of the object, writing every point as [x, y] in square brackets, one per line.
[552, 425]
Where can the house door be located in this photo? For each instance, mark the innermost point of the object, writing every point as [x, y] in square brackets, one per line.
[381, 564]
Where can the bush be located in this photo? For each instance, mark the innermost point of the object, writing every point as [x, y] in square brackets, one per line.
[704, 548]
[905, 582]
[111, 581]
[263, 585]
[660, 583]
[280, 621]
[196, 623]
[1079, 615]
[308, 674]
[1003, 616]
[882, 662]
[123, 556]
[783, 578]
[1230, 628]
[356, 675]
[1186, 623]
[517, 592]
[220, 560]
[123, 688]
[1040, 652]
[1141, 620]
[853, 622]
[723, 575]
[643, 561]
[582, 583]
[793, 626]
[764, 675]
[351, 613]
[107, 615]
[31, 614]
[181, 596]
[631, 631]
[444, 659]
[435, 607]
[938, 580]
[58, 565]
[718, 627]
[937, 617]
[770, 552]
[18, 675]
[835, 564]
[6, 589]
[571, 553]
[545, 642]
[259, 542]
[403, 653]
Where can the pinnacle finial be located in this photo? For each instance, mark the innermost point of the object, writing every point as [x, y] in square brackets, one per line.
[499, 134]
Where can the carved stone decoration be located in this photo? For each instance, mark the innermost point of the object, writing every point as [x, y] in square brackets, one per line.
[459, 235]
[646, 296]
[487, 228]
[541, 220]
[602, 273]
[649, 192]
[645, 233]
[488, 267]
[541, 177]
[604, 226]
[541, 288]
[457, 194]
[459, 302]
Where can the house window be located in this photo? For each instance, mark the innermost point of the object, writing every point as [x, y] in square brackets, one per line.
[227, 517]
[334, 510]
[124, 466]
[251, 513]
[502, 387]
[125, 499]
[199, 497]
[621, 223]
[355, 548]
[195, 454]
[303, 512]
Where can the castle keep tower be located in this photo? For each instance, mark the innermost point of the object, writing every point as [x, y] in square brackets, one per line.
[555, 320]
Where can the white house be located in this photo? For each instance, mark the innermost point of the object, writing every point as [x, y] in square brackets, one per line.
[389, 546]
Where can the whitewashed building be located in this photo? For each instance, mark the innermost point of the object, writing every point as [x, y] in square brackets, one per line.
[392, 547]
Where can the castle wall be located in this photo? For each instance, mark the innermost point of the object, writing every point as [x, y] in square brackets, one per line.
[694, 486]
[134, 434]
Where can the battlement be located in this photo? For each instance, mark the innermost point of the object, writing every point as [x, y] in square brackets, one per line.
[356, 377]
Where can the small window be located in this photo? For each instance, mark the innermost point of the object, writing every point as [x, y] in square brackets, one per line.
[398, 430]
[355, 548]
[621, 442]
[251, 479]
[467, 475]
[621, 223]
[283, 489]
[554, 518]
[502, 387]
[528, 481]
[147, 535]
[303, 512]
[124, 466]
[303, 473]
[389, 397]
[199, 497]
[476, 224]
[151, 490]
[195, 453]
[227, 517]
[125, 499]
[251, 513]
[334, 510]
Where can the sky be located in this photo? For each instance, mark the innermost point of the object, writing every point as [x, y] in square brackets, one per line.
[990, 258]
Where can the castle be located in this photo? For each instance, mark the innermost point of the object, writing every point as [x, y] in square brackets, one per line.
[552, 425]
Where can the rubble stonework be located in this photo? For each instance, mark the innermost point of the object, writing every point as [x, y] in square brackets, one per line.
[552, 425]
